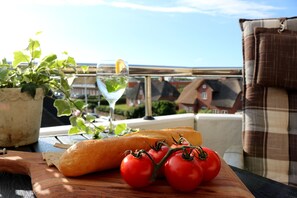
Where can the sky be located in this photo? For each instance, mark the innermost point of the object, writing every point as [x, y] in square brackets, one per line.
[194, 33]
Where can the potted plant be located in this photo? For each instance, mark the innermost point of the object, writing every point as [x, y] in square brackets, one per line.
[26, 81]
[23, 84]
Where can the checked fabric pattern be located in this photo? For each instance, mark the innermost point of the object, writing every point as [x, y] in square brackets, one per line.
[270, 97]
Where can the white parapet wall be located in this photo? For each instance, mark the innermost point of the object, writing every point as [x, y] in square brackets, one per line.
[219, 131]
[159, 122]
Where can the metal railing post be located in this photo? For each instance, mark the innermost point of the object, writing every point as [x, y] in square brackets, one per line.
[148, 98]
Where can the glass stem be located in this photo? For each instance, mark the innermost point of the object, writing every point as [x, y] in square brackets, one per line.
[111, 117]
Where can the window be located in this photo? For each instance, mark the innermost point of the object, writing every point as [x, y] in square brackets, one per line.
[215, 111]
[204, 95]
[224, 111]
[204, 107]
[204, 86]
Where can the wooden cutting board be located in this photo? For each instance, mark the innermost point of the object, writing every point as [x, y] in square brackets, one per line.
[49, 182]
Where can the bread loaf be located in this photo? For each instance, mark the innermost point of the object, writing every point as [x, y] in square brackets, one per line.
[169, 134]
[97, 155]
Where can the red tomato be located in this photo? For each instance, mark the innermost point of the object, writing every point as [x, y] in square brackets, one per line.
[183, 174]
[157, 154]
[180, 144]
[211, 165]
[137, 172]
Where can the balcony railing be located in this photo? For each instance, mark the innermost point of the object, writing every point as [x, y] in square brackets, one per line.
[149, 71]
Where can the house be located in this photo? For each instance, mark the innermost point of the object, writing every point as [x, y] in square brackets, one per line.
[217, 95]
[161, 90]
[82, 86]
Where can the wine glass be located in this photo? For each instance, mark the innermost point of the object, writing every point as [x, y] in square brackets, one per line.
[112, 79]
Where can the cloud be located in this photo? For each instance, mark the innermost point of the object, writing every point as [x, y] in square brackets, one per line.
[169, 9]
[230, 7]
[242, 8]
[53, 2]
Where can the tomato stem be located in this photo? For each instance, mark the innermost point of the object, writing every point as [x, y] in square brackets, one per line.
[158, 145]
[180, 140]
[186, 156]
[202, 155]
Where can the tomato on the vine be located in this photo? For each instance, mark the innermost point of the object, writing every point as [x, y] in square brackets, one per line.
[137, 171]
[158, 153]
[211, 164]
[183, 174]
[180, 143]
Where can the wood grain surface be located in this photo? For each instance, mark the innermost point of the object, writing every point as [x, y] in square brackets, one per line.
[49, 182]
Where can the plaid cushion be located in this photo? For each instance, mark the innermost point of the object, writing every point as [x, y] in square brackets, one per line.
[276, 58]
[269, 113]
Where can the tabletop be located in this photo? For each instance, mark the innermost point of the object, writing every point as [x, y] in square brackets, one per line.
[18, 185]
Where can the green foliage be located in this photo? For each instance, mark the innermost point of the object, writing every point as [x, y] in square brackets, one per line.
[205, 111]
[159, 108]
[163, 107]
[181, 111]
[29, 71]
[119, 128]
[135, 112]
[104, 108]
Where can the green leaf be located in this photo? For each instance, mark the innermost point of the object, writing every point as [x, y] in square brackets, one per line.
[20, 57]
[100, 128]
[36, 54]
[63, 107]
[72, 120]
[116, 83]
[30, 88]
[33, 45]
[90, 118]
[84, 68]
[4, 61]
[88, 130]
[79, 104]
[48, 59]
[64, 84]
[81, 124]
[4, 73]
[71, 61]
[73, 130]
[120, 128]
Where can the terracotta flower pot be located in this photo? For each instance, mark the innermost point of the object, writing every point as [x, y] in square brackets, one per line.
[20, 117]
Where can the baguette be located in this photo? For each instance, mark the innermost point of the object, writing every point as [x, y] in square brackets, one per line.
[169, 134]
[98, 155]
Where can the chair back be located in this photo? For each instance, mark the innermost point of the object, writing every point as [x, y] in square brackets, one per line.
[270, 97]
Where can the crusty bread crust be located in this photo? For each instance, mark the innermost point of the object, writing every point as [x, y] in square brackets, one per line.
[193, 136]
[97, 155]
